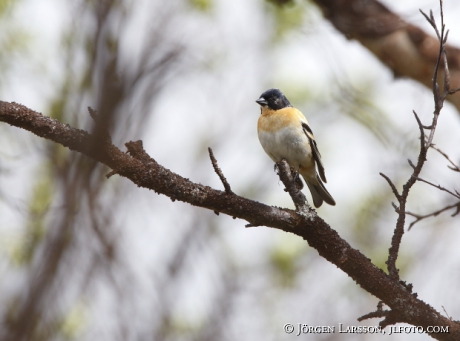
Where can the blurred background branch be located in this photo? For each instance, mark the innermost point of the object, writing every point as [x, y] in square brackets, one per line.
[404, 48]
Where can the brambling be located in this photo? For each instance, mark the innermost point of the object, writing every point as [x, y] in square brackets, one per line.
[284, 133]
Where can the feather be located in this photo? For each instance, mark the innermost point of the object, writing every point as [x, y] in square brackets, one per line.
[314, 149]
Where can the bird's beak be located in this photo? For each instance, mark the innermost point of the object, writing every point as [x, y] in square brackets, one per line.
[262, 101]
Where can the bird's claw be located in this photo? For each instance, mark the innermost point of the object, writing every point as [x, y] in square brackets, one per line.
[296, 179]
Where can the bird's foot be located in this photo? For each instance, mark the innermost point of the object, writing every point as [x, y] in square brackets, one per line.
[296, 179]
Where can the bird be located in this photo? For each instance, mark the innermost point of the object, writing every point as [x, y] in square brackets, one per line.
[284, 133]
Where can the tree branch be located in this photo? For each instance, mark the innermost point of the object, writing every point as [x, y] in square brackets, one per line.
[425, 143]
[404, 48]
[219, 173]
[289, 181]
[454, 167]
[143, 171]
[420, 217]
[402, 199]
[456, 195]
[378, 313]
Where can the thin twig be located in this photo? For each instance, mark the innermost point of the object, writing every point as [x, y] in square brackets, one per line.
[390, 316]
[101, 131]
[375, 314]
[439, 187]
[450, 318]
[110, 174]
[93, 113]
[393, 187]
[218, 171]
[454, 167]
[420, 217]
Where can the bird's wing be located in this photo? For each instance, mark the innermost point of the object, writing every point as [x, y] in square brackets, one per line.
[314, 149]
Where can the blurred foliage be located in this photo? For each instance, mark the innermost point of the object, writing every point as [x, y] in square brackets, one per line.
[58, 104]
[370, 212]
[73, 323]
[14, 40]
[285, 259]
[42, 196]
[202, 5]
[358, 102]
[297, 93]
[7, 5]
[281, 3]
[181, 326]
[287, 15]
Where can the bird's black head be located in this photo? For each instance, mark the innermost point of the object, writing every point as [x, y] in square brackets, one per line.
[274, 99]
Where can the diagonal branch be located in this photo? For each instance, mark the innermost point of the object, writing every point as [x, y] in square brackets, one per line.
[143, 171]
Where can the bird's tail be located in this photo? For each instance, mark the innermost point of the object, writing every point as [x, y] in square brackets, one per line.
[319, 192]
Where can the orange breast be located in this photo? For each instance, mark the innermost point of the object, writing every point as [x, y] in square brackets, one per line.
[271, 120]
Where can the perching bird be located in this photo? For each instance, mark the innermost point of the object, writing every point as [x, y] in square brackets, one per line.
[284, 133]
